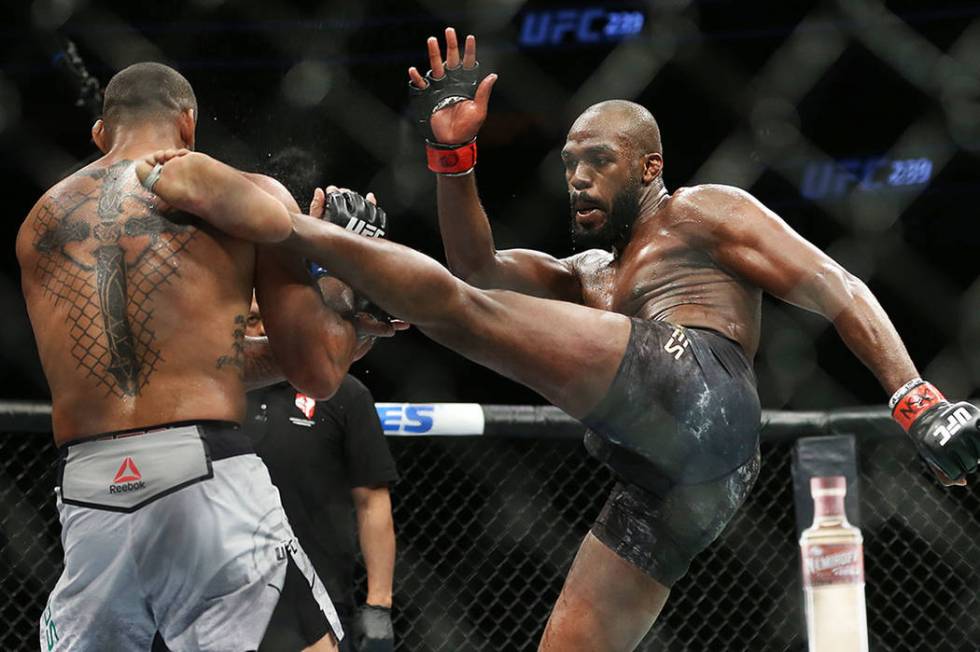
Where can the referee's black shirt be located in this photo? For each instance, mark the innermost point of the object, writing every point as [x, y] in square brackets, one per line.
[317, 451]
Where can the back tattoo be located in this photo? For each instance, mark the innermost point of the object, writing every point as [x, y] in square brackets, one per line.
[106, 264]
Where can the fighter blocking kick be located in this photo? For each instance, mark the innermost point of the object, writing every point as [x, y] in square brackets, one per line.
[647, 338]
[170, 523]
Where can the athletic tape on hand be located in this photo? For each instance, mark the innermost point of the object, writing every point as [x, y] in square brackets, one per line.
[152, 178]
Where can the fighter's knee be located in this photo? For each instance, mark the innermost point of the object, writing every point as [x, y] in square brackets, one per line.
[573, 625]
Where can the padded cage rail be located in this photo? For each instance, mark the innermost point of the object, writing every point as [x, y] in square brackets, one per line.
[530, 421]
[487, 527]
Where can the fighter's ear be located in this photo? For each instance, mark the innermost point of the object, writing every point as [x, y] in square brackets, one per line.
[100, 137]
[186, 123]
[653, 165]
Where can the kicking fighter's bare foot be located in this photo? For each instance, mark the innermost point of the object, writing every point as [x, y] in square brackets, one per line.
[217, 193]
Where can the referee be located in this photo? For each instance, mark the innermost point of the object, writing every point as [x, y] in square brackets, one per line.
[329, 459]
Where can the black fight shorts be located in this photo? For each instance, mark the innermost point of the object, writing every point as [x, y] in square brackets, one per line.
[680, 428]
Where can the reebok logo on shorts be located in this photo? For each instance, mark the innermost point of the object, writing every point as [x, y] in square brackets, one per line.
[128, 472]
[128, 478]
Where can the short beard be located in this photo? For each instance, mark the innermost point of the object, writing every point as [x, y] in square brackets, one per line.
[615, 233]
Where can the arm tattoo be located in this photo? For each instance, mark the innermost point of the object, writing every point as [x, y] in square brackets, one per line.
[107, 266]
[261, 368]
[237, 358]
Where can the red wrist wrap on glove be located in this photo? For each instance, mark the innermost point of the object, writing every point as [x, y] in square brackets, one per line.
[451, 159]
[914, 402]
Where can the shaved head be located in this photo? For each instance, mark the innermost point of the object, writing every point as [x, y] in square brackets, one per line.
[633, 122]
[146, 91]
[613, 162]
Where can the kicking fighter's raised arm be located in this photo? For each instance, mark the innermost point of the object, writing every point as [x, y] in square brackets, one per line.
[752, 242]
[450, 107]
[748, 239]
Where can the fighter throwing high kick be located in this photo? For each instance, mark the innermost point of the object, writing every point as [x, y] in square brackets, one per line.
[648, 339]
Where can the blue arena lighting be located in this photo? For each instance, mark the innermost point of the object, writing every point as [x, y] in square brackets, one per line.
[834, 179]
[583, 26]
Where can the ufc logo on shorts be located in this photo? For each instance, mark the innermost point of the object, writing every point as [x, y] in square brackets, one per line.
[285, 549]
[363, 228]
[48, 629]
[954, 422]
[677, 343]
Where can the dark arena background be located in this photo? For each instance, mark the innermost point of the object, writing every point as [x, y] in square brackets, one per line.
[858, 121]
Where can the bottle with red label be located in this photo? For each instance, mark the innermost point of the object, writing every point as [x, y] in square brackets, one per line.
[833, 573]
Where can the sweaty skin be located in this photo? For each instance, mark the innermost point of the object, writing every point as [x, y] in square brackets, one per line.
[569, 353]
[111, 284]
[139, 310]
[659, 276]
[701, 257]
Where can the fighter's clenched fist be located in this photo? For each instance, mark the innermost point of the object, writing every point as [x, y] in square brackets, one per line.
[362, 215]
[355, 212]
[947, 435]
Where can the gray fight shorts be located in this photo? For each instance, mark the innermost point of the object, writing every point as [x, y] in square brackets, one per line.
[179, 530]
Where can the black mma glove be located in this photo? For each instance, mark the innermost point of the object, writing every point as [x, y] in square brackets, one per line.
[372, 629]
[353, 212]
[458, 84]
[947, 435]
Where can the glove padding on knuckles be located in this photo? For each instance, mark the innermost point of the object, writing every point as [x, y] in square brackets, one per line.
[353, 212]
[457, 85]
[947, 436]
[373, 631]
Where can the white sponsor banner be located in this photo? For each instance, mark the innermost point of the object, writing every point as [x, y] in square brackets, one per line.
[424, 419]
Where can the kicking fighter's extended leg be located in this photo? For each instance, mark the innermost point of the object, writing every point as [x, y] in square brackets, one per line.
[606, 604]
[221, 195]
[566, 352]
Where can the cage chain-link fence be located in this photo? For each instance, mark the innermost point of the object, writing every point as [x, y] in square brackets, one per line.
[775, 104]
[487, 529]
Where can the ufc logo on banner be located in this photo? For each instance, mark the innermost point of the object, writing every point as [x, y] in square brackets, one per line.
[954, 422]
[677, 343]
[363, 228]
